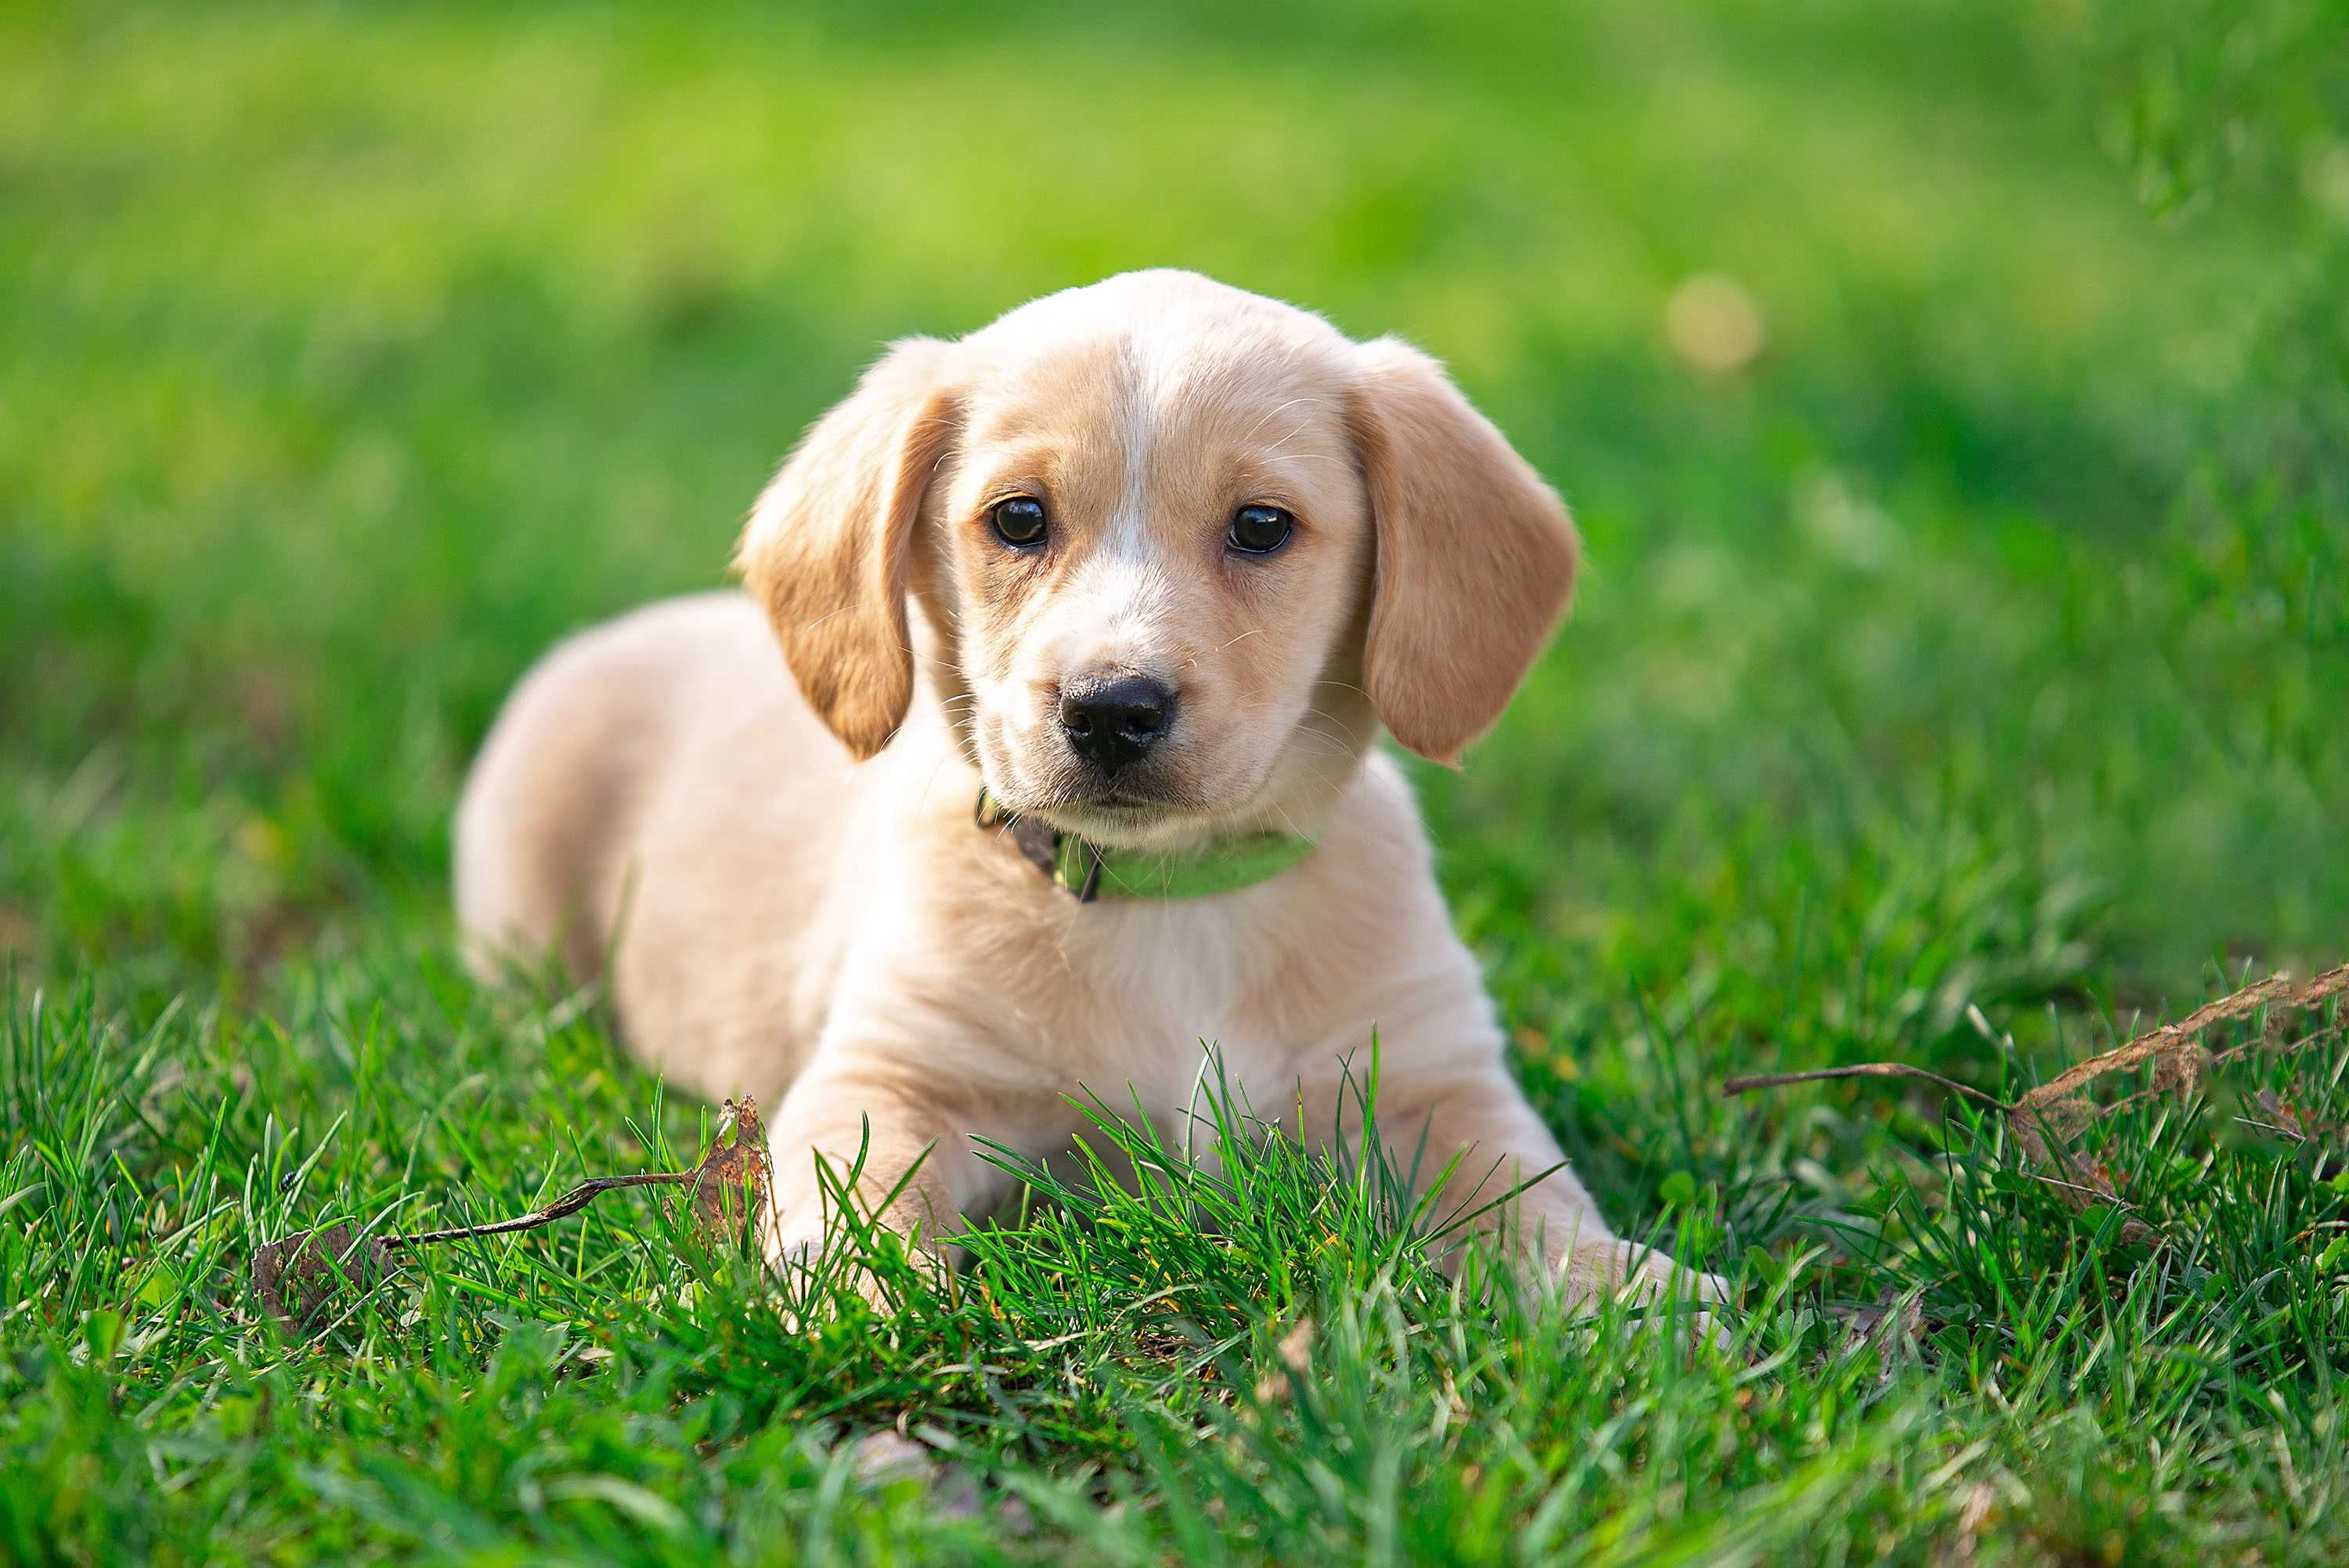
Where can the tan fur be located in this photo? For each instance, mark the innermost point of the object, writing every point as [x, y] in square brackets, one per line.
[825, 547]
[783, 866]
[1476, 555]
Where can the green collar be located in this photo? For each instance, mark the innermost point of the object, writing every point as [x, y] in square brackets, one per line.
[1090, 871]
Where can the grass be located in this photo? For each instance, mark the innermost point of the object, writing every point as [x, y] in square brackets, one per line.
[1959, 684]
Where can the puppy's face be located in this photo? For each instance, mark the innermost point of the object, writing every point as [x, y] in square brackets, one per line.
[1155, 538]
[1182, 549]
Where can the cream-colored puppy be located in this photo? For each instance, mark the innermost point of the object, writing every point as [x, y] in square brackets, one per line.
[1151, 562]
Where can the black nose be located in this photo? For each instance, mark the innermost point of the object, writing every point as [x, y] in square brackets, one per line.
[1115, 720]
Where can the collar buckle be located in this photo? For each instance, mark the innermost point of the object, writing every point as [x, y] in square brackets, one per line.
[1043, 846]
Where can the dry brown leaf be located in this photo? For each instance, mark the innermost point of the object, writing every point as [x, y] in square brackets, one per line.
[299, 1277]
[731, 1181]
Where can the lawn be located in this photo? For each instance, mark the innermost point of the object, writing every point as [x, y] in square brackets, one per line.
[1959, 681]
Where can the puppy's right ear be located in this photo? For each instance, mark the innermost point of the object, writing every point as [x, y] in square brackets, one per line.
[825, 550]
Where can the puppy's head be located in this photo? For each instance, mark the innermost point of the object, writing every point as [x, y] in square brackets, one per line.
[1178, 550]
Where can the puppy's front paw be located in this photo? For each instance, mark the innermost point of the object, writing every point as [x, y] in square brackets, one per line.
[791, 1256]
[1592, 1272]
[808, 1267]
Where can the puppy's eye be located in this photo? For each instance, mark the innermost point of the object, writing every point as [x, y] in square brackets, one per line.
[1260, 529]
[1018, 522]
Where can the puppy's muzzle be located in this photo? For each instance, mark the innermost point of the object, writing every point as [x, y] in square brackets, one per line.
[1114, 721]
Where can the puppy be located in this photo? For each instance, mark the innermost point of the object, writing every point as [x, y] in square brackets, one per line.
[1088, 622]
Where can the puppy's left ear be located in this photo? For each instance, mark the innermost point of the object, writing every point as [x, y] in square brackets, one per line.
[825, 550]
[1475, 555]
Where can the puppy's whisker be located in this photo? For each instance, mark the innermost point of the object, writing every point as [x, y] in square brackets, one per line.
[1275, 413]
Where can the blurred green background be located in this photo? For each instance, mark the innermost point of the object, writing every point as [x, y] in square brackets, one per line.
[1987, 630]
[1955, 397]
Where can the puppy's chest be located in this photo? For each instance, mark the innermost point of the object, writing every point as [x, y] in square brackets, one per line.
[1139, 994]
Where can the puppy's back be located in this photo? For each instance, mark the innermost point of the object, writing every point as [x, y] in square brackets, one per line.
[552, 807]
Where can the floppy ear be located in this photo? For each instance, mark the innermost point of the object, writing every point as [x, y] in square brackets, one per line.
[1475, 555]
[825, 549]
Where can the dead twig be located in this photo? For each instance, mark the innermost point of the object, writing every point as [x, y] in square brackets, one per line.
[2044, 1118]
[296, 1277]
[1738, 1086]
[563, 1207]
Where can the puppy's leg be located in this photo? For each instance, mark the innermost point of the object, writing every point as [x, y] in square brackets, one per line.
[1533, 1207]
[865, 1134]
